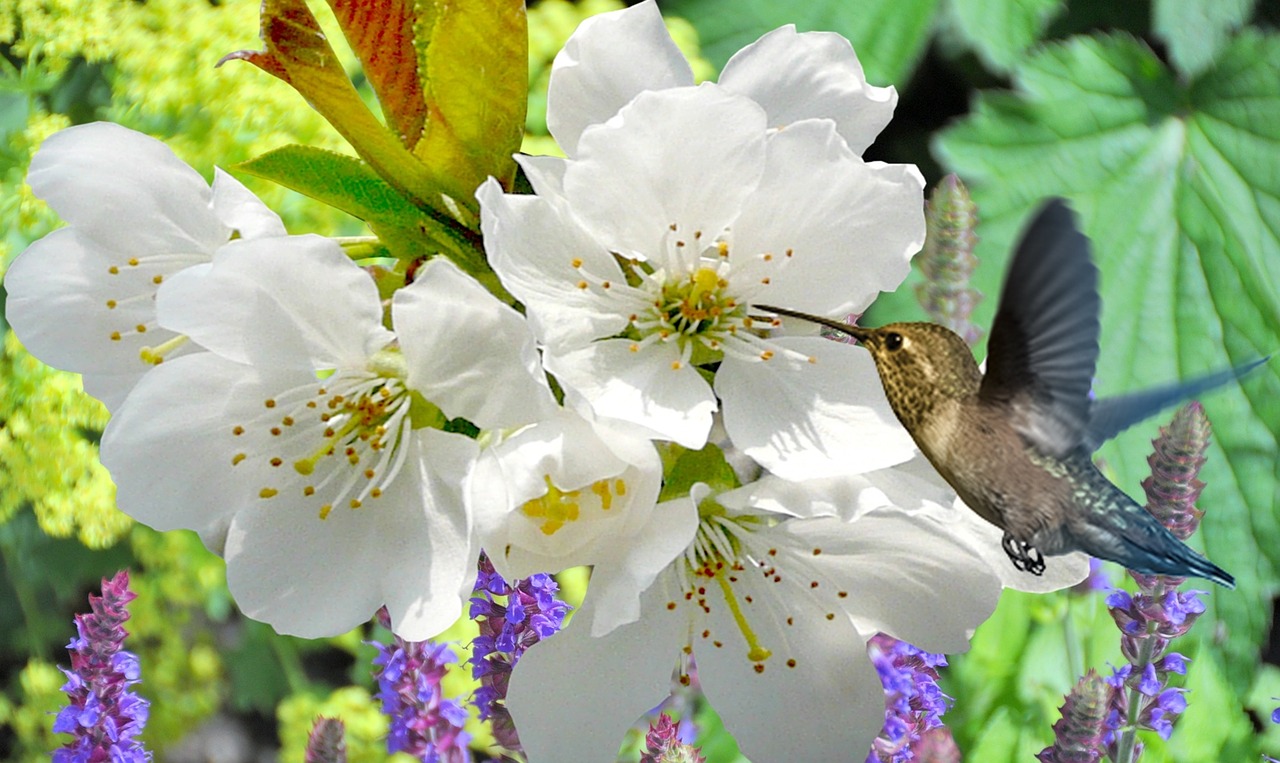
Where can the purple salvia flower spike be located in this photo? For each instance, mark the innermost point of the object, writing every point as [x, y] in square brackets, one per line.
[327, 742]
[103, 714]
[947, 260]
[528, 613]
[1158, 612]
[913, 702]
[1078, 734]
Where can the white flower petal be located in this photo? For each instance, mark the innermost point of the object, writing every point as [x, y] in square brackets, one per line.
[815, 74]
[573, 697]
[1060, 571]
[467, 352]
[686, 157]
[608, 61]
[912, 487]
[240, 210]
[915, 580]
[812, 420]
[294, 301]
[832, 699]
[169, 447]
[340, 569]
[545, 173]
[533, 247]
[650, 388]
[849, 228]
[73, 314]
[621, 585]
[125, 191]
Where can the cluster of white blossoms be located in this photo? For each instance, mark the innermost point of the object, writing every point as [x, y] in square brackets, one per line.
[325, 441]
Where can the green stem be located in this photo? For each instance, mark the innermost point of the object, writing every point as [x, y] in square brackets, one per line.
[1075, 658]
[290, 663]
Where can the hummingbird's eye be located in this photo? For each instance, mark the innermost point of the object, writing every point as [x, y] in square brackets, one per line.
[893, 341]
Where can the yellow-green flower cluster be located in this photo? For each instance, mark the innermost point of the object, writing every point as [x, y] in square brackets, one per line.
[551, 22]
[59, 31]
[48, 457]
[39, 697]
[366, 726]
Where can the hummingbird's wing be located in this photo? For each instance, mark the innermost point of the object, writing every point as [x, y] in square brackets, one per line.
[1044, 342]
[1110, 416]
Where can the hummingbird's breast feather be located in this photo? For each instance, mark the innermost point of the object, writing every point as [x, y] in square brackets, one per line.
[990, 466]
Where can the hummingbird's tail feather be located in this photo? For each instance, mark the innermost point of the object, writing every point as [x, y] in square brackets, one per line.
[1133, 538]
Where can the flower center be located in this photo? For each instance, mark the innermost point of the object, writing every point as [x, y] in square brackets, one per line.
[557, 508]
[338, 442]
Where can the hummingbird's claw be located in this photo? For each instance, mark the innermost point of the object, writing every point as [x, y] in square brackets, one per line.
[1025, 557]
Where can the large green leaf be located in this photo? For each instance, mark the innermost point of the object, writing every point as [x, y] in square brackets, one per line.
[1195, 30]
[1178, 185]
[888, 35]
[1002, 31]
[476, 62]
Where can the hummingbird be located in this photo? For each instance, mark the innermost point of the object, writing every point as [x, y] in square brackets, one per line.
[1016, 443]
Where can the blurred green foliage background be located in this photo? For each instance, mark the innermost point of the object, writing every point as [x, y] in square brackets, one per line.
[1159, 120]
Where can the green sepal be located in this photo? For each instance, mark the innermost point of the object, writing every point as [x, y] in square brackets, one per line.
[681, 468]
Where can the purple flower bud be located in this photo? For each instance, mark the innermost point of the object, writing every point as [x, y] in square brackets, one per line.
[1174, 663]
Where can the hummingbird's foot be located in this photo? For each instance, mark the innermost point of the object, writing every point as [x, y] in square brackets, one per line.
[1025, 557]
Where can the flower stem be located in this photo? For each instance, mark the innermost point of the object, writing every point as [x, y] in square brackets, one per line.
[1127, 743]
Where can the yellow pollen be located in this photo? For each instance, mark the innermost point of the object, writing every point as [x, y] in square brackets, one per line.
[556, 507]
[355, 503]
[601, 489]
[582, 284]
[237, 458]
[268, 492]
[375, 493]
[239, 430]
[368, 474]
[766, 281]
[325, 509]
[676, 365]
[133, 262]
[113, 270]
[634, 347]
[309, 490]
[276, 461]
[768, 258]
[111, 304]
[766, 355]
[115, 336]
[157, 280]
[790, 253]
[269, 403]
[620, 488]
[812, 359]
[722, 248]
[605, 284]
[287, 421]
[576, 263]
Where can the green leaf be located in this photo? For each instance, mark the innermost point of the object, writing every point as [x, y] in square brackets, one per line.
[1002, 31]
[1195, 30]
[381, 34]
[1176, 184]
[297, 52]
[1215, 726]
[476, 59]
[889, 36]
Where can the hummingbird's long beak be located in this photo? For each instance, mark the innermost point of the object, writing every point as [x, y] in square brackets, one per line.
[857, 332]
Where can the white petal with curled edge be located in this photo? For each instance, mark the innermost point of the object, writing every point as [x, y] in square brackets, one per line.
[125, 191]
[239, 209]
[815, 74]
[848, 228]
[649, 387]
[294, 301]
[314, 577]
[906, 576]
[1059, 571]
[621, 584]
[573, 696]
[912, 487]
[831, 699]
[467, 352]
[66, 307]
[686, 157]
[805, 420]
[170, 447]
[609, 60]
[533, 245]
